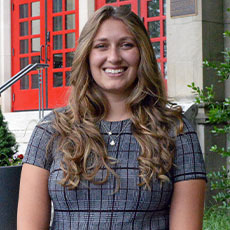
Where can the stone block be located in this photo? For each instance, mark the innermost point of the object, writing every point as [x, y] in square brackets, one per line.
[213, 42]
[179, 47]
[212, 11]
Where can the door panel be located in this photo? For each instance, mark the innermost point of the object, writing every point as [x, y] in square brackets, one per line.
[63, 29]
[153, 13]
[27, 37]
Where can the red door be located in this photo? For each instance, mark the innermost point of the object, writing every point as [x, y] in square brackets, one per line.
[153, 14]
[46, 34]
[27, 37]
[63, 28]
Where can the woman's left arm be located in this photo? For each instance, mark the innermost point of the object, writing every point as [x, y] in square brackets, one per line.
[187, 205]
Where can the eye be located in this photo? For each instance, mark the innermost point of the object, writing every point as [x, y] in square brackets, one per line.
[127, 45]
[100, 46]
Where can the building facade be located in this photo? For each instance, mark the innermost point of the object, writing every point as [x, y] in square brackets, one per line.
[47, 31]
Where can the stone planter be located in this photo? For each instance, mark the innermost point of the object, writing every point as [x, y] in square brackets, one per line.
[9, 188]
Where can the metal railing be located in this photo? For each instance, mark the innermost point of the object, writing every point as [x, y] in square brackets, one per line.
[22, 73]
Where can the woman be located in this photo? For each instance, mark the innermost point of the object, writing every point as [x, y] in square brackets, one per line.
[119, 156]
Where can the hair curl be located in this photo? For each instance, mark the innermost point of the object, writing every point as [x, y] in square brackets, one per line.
[152, 115]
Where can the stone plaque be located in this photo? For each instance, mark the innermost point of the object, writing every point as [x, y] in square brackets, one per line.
[182, 8]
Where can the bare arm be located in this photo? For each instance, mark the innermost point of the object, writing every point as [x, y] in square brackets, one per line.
[34, 201]
[187, 205]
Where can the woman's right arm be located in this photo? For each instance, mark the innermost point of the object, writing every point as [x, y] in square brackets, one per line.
[34, 201]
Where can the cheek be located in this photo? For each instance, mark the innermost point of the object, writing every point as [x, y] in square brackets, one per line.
[94, 65]
[134, 59]
[138, 58]
[95, 59]
[137, 62]
[91, 60]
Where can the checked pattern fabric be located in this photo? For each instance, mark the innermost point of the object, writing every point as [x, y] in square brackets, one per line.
[96, 207]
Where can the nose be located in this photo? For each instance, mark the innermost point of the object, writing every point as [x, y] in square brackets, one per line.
[114, 55]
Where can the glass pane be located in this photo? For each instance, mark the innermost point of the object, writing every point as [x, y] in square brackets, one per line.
[70, 21]
[154, 29]
[24, 82]
[57, 6]
[24, 28]
[34, 82]
[165, 49]
[35, 45]
[35, 27]
[35, 9]
[35, 59]
[23, 11]
[70, 40]
[24, 62]
[110, 1]
[58, 79]
[164, 7]
[70, 5]
[67, 78]
[57, 23]
[24, 46]
[58, 60]
[69, 59]
[153, 8]
[166, 70]
[156, 47]
[164, 25]
[57, 42]
[126, 6]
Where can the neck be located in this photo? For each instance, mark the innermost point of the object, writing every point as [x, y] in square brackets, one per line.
[117, 109]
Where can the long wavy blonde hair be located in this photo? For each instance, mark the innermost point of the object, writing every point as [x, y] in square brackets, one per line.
[152, 116]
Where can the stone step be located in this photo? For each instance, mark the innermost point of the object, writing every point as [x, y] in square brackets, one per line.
[21, 124]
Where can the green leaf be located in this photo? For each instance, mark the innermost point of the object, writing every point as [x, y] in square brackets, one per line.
[227, 33]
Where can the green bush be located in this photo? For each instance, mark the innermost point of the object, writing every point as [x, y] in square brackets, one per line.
[8, 145]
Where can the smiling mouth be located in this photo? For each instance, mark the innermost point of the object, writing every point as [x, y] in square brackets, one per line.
[115, 71]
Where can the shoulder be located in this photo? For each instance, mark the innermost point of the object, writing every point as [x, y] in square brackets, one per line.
[36, 152]
[187, 126]
[188, 134]
[188, 159]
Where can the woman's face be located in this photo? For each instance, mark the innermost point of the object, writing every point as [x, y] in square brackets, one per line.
[114, 58]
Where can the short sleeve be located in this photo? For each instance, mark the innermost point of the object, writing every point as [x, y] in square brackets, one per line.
[188, 159]
[36, 149]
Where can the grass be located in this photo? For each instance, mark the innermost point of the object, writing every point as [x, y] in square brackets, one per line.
[216, 219]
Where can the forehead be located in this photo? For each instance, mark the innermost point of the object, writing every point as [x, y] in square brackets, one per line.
[113, 27]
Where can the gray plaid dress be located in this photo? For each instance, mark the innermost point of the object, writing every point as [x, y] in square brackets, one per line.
[95, 207]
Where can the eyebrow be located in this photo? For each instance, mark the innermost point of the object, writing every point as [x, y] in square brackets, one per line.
[122, 39]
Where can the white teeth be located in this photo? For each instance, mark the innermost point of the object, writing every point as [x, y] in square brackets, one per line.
[114, 70]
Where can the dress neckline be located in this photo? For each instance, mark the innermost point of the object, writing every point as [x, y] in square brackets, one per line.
[116, 122]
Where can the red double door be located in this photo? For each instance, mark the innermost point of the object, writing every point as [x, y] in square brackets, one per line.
[43, 31]
[46, 31]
